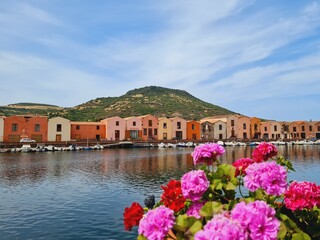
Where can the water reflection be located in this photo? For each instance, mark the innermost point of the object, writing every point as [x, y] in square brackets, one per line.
[81, 195]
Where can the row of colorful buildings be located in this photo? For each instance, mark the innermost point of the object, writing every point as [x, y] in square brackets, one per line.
[148, 127]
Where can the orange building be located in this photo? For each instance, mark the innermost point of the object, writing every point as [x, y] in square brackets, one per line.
[27, 126]
[149, 126]
[88, 130]
[193, 130]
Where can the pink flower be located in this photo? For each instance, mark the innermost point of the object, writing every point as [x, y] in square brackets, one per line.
[207, 153]
[221, 227]
[156, 224]
[301, 195]
[241, 165]
[194, 184]
[257, 219]
[264, 151]
[194, 210]
[269, 176]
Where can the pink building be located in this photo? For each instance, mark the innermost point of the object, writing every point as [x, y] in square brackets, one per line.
[133, 128]
[115, 128]
[266, 130]
[178, 128]
[149, 125]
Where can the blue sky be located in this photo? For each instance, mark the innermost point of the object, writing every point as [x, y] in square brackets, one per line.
[258, 58]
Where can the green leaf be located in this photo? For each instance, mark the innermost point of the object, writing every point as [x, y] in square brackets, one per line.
[282, 231]
[196, 227]
[231, 186]
[210, 209]
[300, 236]
[141, 237]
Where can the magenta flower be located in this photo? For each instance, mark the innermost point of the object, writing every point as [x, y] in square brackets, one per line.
[156, 224]
[194, 184]
[241, 165]
[269, 176]
[221, 227]
[207, 153]
[194, 210]
[301, 195]
[257, 219]
[264, 151]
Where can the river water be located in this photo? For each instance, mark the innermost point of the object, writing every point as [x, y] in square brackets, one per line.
[82, 195]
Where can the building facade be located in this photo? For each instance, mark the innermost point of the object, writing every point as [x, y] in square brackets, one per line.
[207, 132]
[179, 128]
[164, 128]
[88, 131]
[115, 128]
[149, 127]
[244, 124]
[59, 129]
[1, 128]
[255, 126]
[219, 129]
[133, 128]
[27, 126]
[193, 130]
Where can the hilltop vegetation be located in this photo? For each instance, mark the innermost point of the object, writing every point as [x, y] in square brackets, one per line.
[158, 101]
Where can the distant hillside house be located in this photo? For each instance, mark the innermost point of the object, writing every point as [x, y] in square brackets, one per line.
[115, 128]
[59, 129]
[26, 126]
[88, 131]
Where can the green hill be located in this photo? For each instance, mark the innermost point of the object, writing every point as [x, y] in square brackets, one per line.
[153, 100]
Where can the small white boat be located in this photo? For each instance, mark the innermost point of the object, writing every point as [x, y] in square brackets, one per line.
[221, 143]
[26, 148]
[162, 145]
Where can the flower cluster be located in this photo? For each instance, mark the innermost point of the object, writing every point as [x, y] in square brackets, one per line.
[157, 223]
[241, 165]
[172, 196]
[257, 219]
[132, 215]
[194, 184]
[267, 175]
[204, 203]
[207, 153]
[301, 195]
[264, 151]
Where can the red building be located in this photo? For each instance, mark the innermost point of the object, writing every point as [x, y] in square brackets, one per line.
[17, 127]
[88, 130]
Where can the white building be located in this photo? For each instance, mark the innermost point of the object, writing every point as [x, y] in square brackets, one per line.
[59, 129]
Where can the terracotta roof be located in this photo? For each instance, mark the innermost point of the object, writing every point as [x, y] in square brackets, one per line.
[87, 123]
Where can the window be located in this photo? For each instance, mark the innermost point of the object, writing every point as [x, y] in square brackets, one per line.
[117, 123]
[77, 127]
[144, 131]
[302, 128]
[134, 123]
[294, 129]
[178, 125]
[165, 137]
[164, 125]
[150, 123]
[14, 127]
[244, 126]
[98, 127]
[232, 123]
[155, 131]
[310, 128]
[220, 127]
[59, 127]
[265, 129]
[255, 127]
[318, 128]
[192, 127]
[275, 128]
[37, 128]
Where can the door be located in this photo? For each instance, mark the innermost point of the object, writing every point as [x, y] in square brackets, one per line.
[117, 134]
[58, 138]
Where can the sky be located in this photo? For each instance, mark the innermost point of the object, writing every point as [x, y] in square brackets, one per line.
[257, 58]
